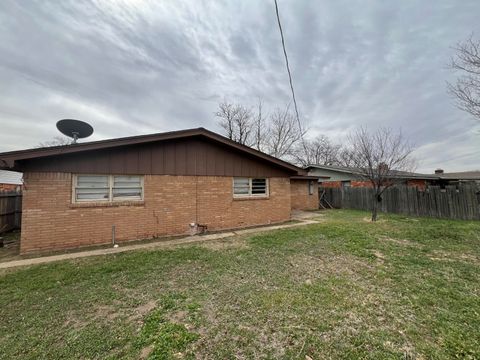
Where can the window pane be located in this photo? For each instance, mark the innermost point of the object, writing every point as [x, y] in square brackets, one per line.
[241, 186]
[91, 194]
[128, 192]
[92, 181]
[127, 181]
[259, 186]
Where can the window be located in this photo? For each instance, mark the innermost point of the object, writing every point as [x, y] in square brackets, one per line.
[127, 187]
[250, 187]
[346, 183]
[310, 187]
[107, 188]
[92, 188]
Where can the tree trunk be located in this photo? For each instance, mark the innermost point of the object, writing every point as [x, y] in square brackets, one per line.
[374, 209]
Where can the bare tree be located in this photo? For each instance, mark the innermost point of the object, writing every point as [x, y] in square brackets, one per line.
[284, 133]
[320, 151]
[276, 134]
[56, 141]
[466, 90]
[236, 121]
[260, 128]
[345, 157]
[379, 157]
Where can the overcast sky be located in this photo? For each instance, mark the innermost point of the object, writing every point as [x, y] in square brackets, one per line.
[134, 67]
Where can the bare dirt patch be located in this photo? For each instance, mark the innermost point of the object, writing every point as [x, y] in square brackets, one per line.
[106, 312]
[141, 311]
[178, 317]
[145, 308]
[379, 255]
[146, 351]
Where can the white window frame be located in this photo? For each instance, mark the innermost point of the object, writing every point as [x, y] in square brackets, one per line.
[110, 199]
[250, 195]
[311, 187]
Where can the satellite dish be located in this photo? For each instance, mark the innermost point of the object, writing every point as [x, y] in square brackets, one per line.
[75, 129]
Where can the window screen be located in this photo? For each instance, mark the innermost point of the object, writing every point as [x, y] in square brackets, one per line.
[245, 187]
[127, 187]
[108, 187]
[92, 187]
[241, 186]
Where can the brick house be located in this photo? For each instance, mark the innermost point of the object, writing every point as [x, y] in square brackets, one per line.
[340, 176]
[149, 186]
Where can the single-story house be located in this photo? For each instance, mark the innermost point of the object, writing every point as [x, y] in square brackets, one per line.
[455, 178]
[147, 186]
[341, 176]
[10, 180]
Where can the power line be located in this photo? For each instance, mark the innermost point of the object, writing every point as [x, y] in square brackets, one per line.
[289, 75]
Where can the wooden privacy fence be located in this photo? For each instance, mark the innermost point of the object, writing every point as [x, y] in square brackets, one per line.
[10, 210]
[451, 203]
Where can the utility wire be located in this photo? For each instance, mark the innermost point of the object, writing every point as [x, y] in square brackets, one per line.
[289, 76]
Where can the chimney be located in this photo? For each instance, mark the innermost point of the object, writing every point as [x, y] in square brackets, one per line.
[382, 167]
[439, 171]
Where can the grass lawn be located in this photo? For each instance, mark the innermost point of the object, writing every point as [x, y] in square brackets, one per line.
[402, 288]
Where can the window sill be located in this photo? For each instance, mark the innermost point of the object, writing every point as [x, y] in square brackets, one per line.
[107, 204]
[242, 198]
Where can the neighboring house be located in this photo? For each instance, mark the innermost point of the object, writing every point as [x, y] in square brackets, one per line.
[152, 185]
[455, 178]
[340, 176]
[10, 180]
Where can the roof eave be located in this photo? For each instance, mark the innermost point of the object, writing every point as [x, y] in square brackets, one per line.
[9, 158]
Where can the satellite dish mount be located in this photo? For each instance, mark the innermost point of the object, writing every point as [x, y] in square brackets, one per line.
[75, 129]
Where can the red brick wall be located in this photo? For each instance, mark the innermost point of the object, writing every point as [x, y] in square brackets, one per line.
[51, 222]
[420, 184]
[9, 187]
[353, 183]
[367, 184]
[300, 197]
[331, 184]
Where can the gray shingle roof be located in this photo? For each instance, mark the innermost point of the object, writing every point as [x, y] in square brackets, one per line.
[10, 177]
[393, 173]
[463, 175]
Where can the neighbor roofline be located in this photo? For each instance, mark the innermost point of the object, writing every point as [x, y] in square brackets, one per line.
[358, 173]
[7, 159]
[328, 167]
[307, 177]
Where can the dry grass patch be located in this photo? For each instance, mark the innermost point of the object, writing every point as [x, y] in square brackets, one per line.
[224, 244]
[307, 267]
[402, 242]
[441, 255]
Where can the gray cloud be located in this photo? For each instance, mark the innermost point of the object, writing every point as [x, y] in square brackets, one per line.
[133, 67]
